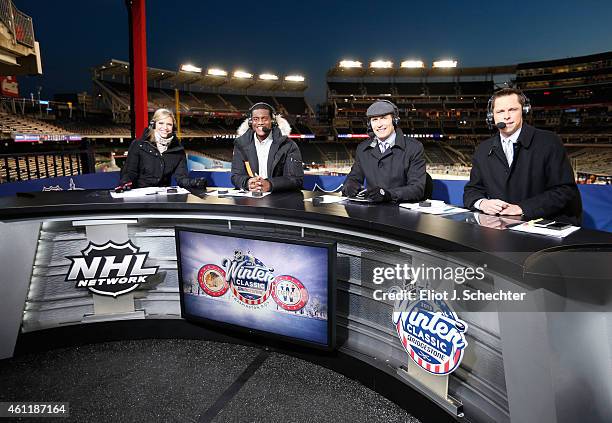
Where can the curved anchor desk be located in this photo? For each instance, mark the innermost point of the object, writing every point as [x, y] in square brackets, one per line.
[550, 361]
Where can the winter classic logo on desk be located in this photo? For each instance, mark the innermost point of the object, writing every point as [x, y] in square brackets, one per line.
[252, 282]
[110, 269]
[433, 335]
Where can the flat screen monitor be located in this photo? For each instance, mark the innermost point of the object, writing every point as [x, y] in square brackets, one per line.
[280, 287]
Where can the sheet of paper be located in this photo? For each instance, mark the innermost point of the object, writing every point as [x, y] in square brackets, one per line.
[141, 192]
[437, 208]
[329, 199]
[532, 229]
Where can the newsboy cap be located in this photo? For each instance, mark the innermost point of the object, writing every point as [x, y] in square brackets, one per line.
[381, 108]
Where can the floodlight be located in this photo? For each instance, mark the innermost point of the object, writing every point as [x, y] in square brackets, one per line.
[242, 74]
[412, 64]
[216, 72]
[381, 64]
[294, 78]
[268, 77]
[350, 64]
[190, 68]
[445, 64]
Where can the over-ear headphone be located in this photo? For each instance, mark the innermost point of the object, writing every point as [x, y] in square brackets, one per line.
[491, 121]
[263, 105]
[396, 117]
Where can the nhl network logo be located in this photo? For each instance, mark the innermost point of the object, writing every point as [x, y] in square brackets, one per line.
[110, 269]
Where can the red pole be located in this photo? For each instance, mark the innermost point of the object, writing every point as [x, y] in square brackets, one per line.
[138, 33]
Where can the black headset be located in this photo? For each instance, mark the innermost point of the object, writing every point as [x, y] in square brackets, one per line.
[491, 121]
[263, 105]
[396, 117]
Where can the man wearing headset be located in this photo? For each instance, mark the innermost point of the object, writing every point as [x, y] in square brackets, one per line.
[521, 171]
[265, 158]
[392, 164]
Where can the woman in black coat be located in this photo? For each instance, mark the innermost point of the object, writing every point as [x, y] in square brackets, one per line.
[154, 158]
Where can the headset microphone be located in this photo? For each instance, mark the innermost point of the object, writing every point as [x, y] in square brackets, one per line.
[500, 125]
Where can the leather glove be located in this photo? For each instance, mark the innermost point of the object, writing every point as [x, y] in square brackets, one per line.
[378, 195]
[351, 188]
[200, 183]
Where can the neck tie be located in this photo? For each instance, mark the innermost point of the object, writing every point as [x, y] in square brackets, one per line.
[383, 146]
[508, 151]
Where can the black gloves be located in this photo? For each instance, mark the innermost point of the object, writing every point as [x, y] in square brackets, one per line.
[378, 195]
[199, 183]
[351, 188]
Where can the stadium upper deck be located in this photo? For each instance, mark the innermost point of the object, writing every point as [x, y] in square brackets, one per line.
[214, 92]
[572, 97]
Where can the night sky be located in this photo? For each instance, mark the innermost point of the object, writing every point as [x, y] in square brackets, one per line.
[309, 37]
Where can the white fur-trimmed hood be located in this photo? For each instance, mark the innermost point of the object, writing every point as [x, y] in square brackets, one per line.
[283, 125]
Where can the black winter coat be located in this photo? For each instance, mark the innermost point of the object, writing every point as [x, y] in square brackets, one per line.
[400, 170]
[285, 171]
[146, 167]
[540, 180]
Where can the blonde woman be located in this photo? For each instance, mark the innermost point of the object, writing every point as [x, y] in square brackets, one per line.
[157, 156]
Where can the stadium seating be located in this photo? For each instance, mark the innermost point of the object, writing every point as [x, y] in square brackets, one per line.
[27, 125]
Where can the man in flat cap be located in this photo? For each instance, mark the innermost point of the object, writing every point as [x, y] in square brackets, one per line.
[391, 163]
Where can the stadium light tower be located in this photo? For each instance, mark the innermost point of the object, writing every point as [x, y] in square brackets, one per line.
[350, 64]
[294, 78]
[268, 77]
[242, 74]
[188, 67]
[381, 64]
[445, 64]
[412, 64]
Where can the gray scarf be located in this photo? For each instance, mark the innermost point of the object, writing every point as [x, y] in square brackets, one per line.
[162, 143]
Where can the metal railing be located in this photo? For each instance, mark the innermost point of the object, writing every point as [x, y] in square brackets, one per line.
[27, 166]
[18, 23]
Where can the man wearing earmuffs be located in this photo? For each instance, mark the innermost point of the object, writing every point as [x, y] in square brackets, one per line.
[265, 158]
[392, 164]
[521, 171]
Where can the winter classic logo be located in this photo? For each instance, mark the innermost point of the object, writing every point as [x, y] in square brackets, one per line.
[110, 269]
[252, 282]
[432, 334]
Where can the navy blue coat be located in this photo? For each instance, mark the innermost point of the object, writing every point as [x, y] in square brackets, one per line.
[540, 180]
[400, 170]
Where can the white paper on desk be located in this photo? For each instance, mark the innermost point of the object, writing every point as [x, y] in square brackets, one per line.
[436, 209]
[236, 193]
[329, 199]
[141, 192]
[539, 230]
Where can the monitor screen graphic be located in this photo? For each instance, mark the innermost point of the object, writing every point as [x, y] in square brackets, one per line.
[279, 287]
